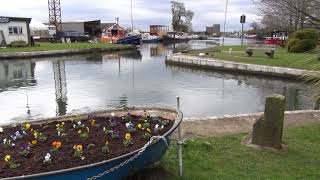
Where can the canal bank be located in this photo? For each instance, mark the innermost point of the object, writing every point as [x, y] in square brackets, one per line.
[62, 52]
[236, 124]
[217, 64]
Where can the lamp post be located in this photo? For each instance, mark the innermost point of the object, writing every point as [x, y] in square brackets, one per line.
[225, 21]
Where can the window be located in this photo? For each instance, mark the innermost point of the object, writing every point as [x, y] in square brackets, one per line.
[15, 30]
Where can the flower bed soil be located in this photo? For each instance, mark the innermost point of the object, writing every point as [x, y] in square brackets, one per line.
[64, 158]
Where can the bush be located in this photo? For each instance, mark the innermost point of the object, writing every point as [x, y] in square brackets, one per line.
[303, 45]
[303, 40]
[19, 43]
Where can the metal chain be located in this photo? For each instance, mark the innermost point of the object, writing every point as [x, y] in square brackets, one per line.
[153, 138]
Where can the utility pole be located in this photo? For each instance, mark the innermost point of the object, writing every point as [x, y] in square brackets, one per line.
[131, 19]
[225, 21]
[54, 7]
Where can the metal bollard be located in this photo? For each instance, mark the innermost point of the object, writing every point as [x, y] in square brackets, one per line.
[180, 143]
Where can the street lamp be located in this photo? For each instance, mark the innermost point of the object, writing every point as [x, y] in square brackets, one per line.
[225, 21]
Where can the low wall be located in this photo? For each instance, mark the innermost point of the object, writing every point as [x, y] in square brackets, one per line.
[236, 67]
[35, 54]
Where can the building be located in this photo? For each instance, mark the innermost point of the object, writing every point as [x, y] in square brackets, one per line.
[112, 30]
[159, 30]
[213, 30]
[14, 29]
[91, 28]
[39, 29]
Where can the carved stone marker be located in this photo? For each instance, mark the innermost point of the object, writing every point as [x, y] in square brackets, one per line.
[267, 131]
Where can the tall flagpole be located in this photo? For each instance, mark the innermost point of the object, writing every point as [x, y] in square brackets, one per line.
[225, 20]
[131, 18]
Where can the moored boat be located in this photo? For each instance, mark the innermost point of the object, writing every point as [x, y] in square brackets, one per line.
[121, 166]
[147, 38]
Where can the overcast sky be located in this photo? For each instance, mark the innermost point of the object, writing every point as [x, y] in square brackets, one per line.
[145, 12]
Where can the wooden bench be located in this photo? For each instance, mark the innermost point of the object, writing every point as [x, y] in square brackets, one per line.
[268, 50]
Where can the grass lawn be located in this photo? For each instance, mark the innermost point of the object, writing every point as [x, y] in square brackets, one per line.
[60, 46]
[226, 158]
[282, 58]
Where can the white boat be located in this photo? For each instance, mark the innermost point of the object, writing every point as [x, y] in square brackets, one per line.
[147, 38]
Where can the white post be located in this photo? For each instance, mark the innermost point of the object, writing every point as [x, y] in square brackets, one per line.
[179, 142]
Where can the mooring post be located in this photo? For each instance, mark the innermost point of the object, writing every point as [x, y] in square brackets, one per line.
[180, 142]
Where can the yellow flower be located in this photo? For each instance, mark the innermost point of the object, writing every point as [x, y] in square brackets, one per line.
[93, 122]
[35, 134]
[139, 126]
[28, 126]
[148, 129]
[128, 136]
[34, 142]
[7, 158]
[78, 147]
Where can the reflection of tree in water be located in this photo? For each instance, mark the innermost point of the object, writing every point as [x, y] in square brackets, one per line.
[292, 98]
[60, 87]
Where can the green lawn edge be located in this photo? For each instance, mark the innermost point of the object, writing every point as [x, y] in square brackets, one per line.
[61, 46]
[282, 58]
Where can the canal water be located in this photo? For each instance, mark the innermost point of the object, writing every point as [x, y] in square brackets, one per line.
[72, 84]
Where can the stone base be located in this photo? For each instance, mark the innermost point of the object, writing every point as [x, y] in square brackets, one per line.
[247, 141]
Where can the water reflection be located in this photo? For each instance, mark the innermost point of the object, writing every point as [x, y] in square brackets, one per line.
[71, 84]
[15, 74]
[60, 82]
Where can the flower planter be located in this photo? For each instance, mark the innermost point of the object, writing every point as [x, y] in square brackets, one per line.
[137, 156]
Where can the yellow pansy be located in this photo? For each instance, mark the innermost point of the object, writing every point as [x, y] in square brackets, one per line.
[35, 134]
[7, 158]
[77, 147]
[148, 129]
[34, 142]
[128, 136]
[139, 126]
[28, 126]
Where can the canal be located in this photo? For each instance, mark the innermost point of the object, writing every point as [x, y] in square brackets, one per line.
[73, 84]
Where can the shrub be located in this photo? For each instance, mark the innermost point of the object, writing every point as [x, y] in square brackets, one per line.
[303, 40]
[19, 43]
[303, 45]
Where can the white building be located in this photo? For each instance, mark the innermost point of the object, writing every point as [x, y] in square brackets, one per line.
[14, 29]
[39, 29]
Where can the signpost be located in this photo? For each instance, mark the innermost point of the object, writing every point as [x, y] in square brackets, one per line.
[242, 21]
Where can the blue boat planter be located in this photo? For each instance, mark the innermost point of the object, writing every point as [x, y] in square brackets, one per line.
[151, 154]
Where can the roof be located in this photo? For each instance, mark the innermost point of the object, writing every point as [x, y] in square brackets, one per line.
[107, 25]
[157, 25]
[16, 18]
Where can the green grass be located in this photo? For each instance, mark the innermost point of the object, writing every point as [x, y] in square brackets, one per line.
[282, 58]
[60, 46]
[226, 158]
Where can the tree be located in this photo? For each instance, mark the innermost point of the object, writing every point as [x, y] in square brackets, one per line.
[181, 18]
[289, 15]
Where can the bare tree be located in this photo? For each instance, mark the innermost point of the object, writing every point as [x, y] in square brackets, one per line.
[289, 15]
[181, 18]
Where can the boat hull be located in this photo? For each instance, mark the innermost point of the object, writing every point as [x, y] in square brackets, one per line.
[153, 153]
[136, 40]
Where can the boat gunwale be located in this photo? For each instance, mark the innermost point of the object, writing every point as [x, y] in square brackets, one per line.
[177, 122]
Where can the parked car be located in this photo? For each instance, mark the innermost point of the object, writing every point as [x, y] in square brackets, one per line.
[74, 36]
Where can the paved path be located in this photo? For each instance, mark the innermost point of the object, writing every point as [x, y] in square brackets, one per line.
[219, 126]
